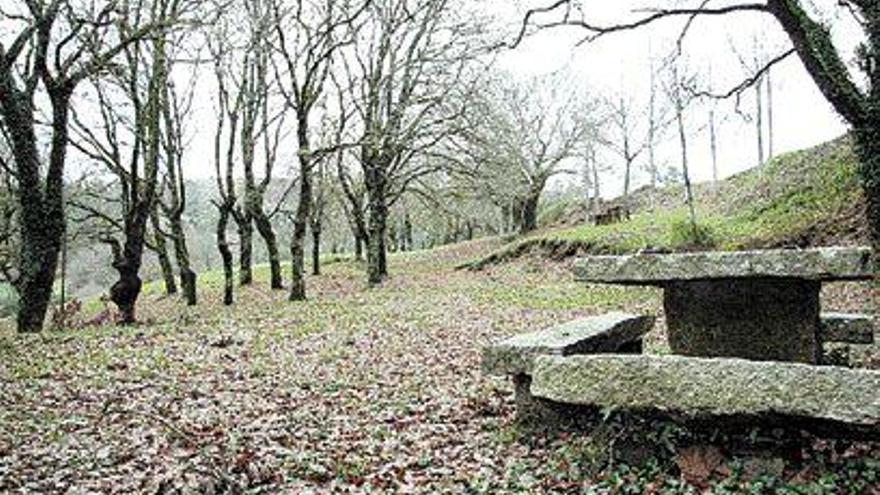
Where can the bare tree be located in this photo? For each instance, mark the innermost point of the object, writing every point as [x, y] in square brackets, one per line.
[407, 75]
[629, 136]
[520, 136]
[309, 37]
[810, 40]
[55, 45]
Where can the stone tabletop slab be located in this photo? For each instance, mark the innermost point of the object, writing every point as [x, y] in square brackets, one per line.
[818, 264]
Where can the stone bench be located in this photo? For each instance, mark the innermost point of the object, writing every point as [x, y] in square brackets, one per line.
[841, 333]
[515, 357]
[846, 328]
[711, 387]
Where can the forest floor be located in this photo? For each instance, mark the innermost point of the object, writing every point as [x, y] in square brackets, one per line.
[356, 391]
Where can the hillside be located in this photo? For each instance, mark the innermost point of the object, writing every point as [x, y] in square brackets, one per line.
[805, 198]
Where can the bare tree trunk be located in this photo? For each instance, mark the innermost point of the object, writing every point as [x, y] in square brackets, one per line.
[759, 121]
[682, 135]
[245, 248]
[376, 262]
[188, 277]
[529, 217]
[358, 246]
[42, 208]
[225, 253]
[301, 219]
[713, 146]
[160, 247]
[267, 233]
[316, 248]
[769, 114]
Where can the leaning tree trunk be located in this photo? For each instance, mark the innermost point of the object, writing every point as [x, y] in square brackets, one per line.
[245, 249]
[267, 233]
[160, 247]
[225, 254]
[868, 150]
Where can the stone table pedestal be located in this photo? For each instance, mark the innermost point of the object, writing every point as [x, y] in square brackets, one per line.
[758, 319]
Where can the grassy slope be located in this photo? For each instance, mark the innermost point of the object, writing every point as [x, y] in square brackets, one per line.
[803, 198]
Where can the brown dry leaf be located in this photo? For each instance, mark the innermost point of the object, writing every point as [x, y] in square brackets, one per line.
[698, 463]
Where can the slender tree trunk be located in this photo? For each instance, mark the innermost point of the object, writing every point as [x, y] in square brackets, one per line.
[245, 249]
[407, 232]
[161, 250]
[267, 233]
[300, 224]
[225, 254]
[769, 114]
[759, 121]
[188, 277]
[358, 246]
[682, 135]
[626, 185]
[316, 248]
[713, 147]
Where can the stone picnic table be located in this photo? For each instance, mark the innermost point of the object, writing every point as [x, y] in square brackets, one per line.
[745, 331]
[757, 305]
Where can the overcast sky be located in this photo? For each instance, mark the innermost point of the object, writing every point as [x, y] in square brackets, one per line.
[713, 48]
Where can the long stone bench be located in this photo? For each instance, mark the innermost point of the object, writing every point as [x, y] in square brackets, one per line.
[699, 387]
[515, 356]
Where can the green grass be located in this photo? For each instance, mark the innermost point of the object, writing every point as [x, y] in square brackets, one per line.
[768, 206]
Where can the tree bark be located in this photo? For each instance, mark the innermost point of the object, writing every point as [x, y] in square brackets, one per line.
[225, 254]
[161, 250]
[245, 248]
[42, 207]
[267, 233]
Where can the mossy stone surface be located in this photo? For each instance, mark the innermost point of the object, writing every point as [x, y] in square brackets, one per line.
[820, 264]
[846, 327]
[761, 319]
[711, 386]
[608, 332]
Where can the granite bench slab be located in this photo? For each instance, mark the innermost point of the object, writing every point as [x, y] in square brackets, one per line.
[603, 333]
[711, 387]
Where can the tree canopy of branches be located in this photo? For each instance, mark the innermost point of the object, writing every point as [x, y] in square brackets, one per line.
[518, 136]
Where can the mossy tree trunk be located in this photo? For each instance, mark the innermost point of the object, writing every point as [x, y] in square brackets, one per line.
[160, 247]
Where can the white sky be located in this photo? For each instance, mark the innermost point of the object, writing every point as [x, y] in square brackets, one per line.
[802, 117]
